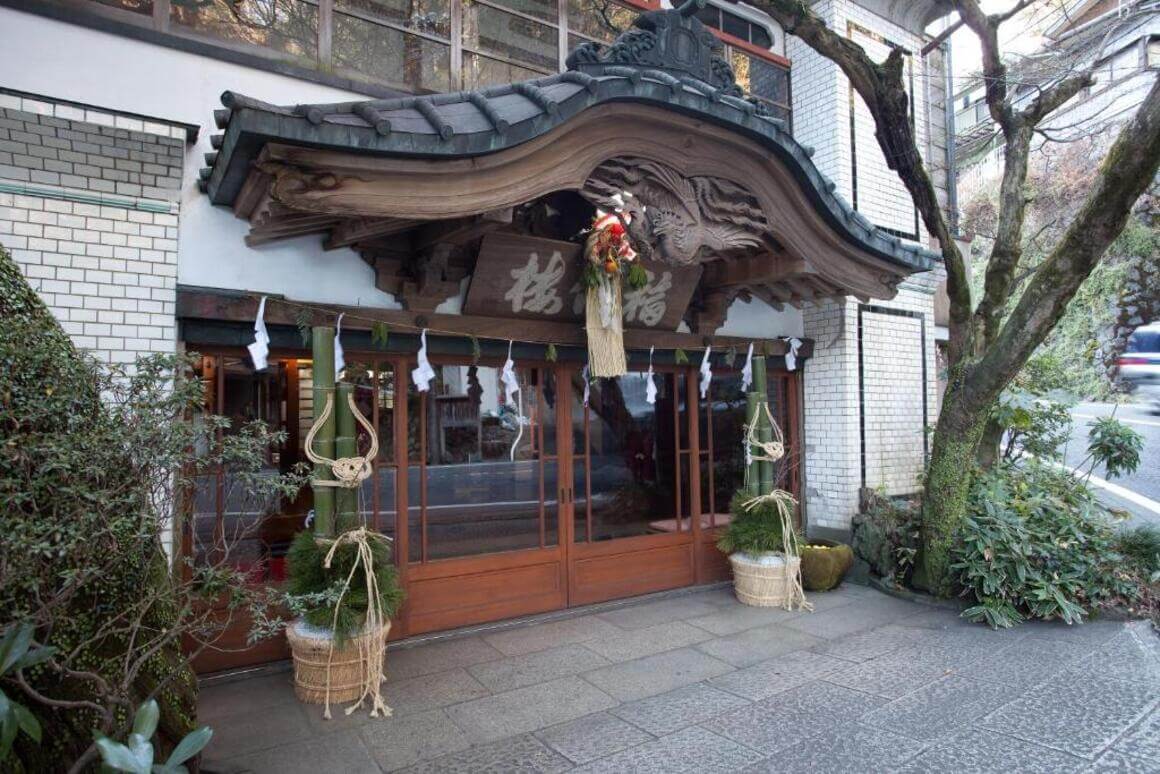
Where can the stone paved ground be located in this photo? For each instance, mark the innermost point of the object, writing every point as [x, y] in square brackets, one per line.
[699, 683]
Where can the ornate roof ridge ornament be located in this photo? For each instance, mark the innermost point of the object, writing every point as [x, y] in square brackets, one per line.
[671, 40]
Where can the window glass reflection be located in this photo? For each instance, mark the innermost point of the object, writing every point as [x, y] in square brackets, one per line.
[487, 485]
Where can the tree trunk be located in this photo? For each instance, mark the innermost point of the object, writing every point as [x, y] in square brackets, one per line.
[948, 482]
[989, 451]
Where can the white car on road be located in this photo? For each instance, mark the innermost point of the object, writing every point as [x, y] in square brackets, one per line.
[1140, 364]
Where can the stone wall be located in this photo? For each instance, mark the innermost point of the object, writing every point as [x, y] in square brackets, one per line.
[89, 204]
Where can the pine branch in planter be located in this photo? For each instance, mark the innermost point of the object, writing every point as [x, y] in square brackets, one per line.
[754, 530]
[313, 589]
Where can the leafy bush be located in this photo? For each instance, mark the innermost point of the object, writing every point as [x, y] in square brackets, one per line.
[755, 530]
[136, 757]
[1141, 549]
[92, 461]
[1036, 423]
[886, 536]
[16, 655]
[1037, 544]
[1114, 445]
[313, 590]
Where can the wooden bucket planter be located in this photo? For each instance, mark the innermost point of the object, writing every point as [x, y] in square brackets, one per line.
[347, 666]
[764, 580]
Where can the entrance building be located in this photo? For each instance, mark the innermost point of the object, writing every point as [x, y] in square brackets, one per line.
[431, 168]
[588, 492]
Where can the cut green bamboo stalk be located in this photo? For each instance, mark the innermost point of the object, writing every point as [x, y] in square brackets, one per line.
[322, 375]
[345, 445]
[764, 430]
[752, 473]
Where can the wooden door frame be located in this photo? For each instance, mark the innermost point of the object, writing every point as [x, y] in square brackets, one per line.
[694, 544]
[672, 558]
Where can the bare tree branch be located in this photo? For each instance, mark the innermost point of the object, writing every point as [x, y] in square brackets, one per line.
[1052, 98]
[986, 29]
[882, 88]
[1126, 173]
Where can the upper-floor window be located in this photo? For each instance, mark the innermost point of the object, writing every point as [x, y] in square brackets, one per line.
[427, 45]
[738, 26]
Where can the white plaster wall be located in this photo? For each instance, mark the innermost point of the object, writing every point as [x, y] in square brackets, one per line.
[65, 61]
[758, 319]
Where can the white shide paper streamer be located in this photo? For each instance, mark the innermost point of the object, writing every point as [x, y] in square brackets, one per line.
[650, 389]
[747, 371]
[791, 354]
[339, 355]
[260, 349]
[423, 375]
[706, 373]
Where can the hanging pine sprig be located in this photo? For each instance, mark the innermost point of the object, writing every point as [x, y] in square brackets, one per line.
[476, 350]
[380, 333]
[679, 357]
[550, 354]
[302, 319]
[637, 277]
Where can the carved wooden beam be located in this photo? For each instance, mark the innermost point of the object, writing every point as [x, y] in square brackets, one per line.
[288, 226]
[775, 296]
[802, 288]
[346, 184]
[204, 305]
[254, 191]
[355, 230]
[709, 313]
[419, 281]
[461, 230]
[756, 270]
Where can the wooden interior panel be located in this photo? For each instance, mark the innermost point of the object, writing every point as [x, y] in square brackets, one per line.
[458, 600]
[230, 650]
[714, 564]
[601, 575]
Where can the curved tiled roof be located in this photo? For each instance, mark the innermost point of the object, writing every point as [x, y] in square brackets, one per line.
[475, 123]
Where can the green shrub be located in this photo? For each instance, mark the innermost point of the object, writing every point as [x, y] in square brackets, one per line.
[1036, 423]
[1141, 549]
[1037, 544]
[756, 530]
[1114, 445]
[313, 590]
[92, 460]
[886, 536]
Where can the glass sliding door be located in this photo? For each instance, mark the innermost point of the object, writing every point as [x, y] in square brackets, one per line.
[482, 475]
[630, 462]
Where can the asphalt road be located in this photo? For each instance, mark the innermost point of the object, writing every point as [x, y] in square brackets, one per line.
[1139, 493]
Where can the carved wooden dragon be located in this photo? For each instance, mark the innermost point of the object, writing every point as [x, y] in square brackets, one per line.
[677, 219]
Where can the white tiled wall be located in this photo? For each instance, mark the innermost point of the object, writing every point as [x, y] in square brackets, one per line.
[89, 212]
[892, 346]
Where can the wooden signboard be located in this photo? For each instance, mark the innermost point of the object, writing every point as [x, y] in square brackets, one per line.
[539, 279]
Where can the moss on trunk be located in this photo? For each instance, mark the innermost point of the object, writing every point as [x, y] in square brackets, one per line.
[948, 482]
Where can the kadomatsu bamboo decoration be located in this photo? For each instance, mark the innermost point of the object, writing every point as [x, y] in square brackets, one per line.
[761, 542]
[322, 379]
[342, 581]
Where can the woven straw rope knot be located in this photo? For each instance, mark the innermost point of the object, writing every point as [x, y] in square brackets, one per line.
[348, 472]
